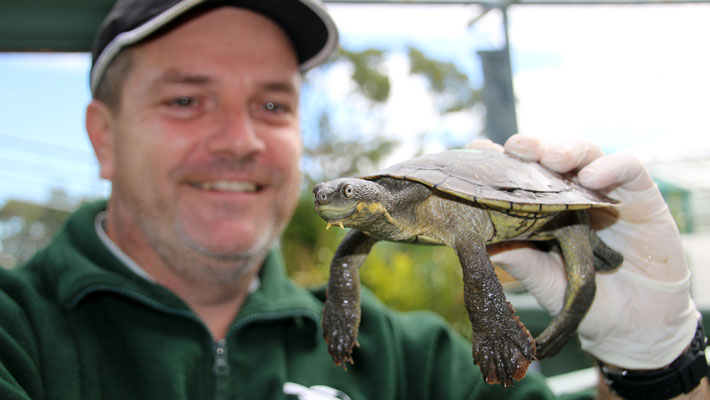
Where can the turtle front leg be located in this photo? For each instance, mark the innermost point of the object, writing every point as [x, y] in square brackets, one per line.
[579, 257]
[502, 347]
[341, 315]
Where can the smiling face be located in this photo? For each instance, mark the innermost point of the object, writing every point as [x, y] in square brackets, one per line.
[203, 149]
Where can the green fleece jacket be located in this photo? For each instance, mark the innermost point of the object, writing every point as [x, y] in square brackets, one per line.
[75, 323]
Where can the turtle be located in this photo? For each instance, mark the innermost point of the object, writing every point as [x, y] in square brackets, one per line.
[466, 199]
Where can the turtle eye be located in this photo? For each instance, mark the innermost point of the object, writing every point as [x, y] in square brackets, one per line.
[348, 191]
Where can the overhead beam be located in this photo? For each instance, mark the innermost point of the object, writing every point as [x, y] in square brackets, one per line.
[502, 3]
[69, 25]
[50, 25]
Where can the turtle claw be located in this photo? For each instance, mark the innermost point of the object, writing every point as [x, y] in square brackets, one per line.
[340, 330]
[342, 358]
[341, 352]
[503, 360]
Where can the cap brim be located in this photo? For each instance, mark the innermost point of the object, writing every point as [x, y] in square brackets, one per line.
[310, 28]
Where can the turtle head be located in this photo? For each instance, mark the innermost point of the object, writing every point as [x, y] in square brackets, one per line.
[351, 202]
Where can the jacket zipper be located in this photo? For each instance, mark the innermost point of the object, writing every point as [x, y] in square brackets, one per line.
[221, 370]
[220, 367]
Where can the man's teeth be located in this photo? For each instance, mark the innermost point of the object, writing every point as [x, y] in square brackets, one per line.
[229, 186]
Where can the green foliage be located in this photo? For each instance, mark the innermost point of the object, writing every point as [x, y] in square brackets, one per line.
[27, 227]
[418, 277]
[367, 73]
[452, 87]
[335, 148]
[345, 157]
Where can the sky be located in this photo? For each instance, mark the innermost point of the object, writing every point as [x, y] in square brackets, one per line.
[630, 78]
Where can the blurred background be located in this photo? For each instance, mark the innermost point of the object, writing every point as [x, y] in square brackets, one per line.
[408, 79]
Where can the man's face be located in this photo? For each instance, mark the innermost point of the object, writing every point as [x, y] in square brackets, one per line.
[206, 143]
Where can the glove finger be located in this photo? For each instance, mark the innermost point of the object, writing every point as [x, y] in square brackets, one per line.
[563, 156]
[624, 178]
[541, 273]
[569, 155]
[484, 144]
[525, 147]
[616, 170]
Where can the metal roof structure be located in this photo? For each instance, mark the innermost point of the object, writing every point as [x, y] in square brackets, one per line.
[69, 25]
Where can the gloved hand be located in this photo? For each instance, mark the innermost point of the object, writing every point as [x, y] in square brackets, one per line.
[642, 316]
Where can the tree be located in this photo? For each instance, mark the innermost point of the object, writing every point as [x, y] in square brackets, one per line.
[26, 227]
[336, 148]
[450, 86]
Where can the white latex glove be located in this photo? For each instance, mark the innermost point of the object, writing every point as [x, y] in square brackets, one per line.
[642, 316]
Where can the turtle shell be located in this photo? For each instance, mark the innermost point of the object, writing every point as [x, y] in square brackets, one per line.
[496, 179]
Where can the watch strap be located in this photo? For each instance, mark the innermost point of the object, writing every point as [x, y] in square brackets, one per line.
[681, 376]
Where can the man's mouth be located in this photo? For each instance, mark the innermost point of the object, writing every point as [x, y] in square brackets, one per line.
[227, 186]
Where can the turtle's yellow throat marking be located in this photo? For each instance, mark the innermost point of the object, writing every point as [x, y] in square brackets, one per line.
[373, 208]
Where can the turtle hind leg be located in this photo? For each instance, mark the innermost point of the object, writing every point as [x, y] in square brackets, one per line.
[581, 287]
[502, 347]
[605, 258]
[341, 314]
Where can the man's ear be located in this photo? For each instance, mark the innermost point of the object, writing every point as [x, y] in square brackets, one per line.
[101, 129]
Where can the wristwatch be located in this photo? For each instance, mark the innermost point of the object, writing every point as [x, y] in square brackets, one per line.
[682, 376]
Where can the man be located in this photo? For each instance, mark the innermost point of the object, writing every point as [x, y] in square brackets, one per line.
[172, 289]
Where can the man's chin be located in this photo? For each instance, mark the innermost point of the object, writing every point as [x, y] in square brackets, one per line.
[235, 251]
[229, 240]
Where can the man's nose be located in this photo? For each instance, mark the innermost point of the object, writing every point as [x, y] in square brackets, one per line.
[236, 134]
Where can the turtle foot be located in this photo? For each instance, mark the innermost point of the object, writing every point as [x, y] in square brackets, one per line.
[503, 359]
[340, 328]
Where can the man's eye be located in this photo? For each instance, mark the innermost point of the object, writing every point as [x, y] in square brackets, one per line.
[183, 101]
[275, 107]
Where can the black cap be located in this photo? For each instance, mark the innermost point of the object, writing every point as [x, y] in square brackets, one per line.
[306, 22]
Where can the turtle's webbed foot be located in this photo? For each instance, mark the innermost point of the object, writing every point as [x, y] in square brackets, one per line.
[505, 356]
[340, 327]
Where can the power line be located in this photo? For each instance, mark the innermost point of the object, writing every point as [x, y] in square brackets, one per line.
[75, 185]
[45, 169]
[50, 149]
